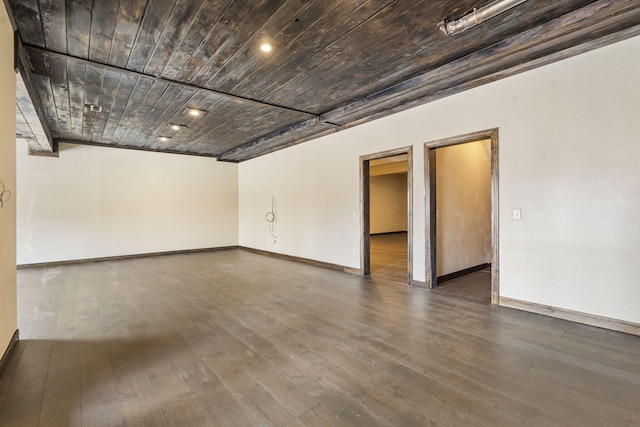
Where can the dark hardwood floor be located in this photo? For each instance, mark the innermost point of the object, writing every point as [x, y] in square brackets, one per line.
[473, 287]
[236, 338]
[389, 257]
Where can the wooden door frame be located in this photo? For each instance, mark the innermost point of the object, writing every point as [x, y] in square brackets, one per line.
[430, 201]
[365, 209]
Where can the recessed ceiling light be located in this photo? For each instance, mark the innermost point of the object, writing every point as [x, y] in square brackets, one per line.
[174, 126]
[195, 112]
[164, 138]
[266, 47]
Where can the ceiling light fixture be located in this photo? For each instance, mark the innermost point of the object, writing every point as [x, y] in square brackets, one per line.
[174, 126]
[164, 138]
[266, 47]
[478, 16]
[195, 112]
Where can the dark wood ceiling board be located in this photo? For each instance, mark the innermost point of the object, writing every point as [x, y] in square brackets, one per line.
[253, 118]
[206, 101]
[27, 16]
[153, 23]
[345, 81]
[110, 81]
[39, 53]
[277, 140]
[148, 109]
[399, 53]
[93, 86]
[176, 29]
[149, 101]
[225, 124]
[324, 32]
[158, 126]
[79, 27]
[271, 31]
[137, 98]
[171, 145]
[201, 100]
[198, 31]
[128, 21]
[233, 130]
[54, 24]
[400, 69]
[336, 85]
[242, 35]
[359, 69]
[99, 126]
[580, 26]
[173, 99]
[196, 127]
[308, 36]
[123, 93]
[258, 117]
[331, 55]
[224, 28]
[102, 30]
[76, 86]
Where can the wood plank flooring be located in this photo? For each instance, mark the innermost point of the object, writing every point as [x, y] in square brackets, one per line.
[237, 338]
[389, 257]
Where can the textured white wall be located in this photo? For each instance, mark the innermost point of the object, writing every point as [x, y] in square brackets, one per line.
[97, 202]
[8, 314]
[569, 158]
[463, 202]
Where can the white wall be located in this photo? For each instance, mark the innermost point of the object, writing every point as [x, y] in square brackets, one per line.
[8, 304]
[388, 201]
[569, 158]
[463, 203]
[94, 202]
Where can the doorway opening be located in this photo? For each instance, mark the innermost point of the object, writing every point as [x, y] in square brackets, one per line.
[386, 194]
[462, 218]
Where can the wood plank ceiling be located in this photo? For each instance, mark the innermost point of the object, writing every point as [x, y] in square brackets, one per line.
[334, 64]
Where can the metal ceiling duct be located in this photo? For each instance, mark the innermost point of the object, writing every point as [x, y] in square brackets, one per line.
[478, 16]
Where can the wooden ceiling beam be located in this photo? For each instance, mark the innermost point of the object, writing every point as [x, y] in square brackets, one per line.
[38, 50]
[259, 142]
[31, 107]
